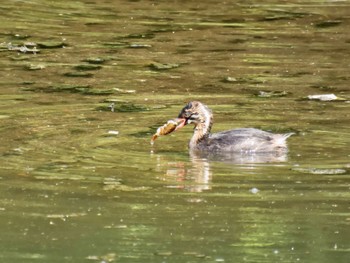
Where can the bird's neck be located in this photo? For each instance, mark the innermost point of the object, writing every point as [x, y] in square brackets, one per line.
[202, 129]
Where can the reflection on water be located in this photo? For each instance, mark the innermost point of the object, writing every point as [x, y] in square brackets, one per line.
[241, 158]
[196, 176]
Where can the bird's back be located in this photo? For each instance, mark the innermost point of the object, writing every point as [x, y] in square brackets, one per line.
[245, 140]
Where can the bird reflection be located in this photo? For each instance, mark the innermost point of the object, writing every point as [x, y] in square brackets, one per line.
[196, 175]
[193, 176]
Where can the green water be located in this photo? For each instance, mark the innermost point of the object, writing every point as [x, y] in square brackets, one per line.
[81, 183]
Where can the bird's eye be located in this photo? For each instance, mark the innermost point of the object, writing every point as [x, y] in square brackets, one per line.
[188, 114]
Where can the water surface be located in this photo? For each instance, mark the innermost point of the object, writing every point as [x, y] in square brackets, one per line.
[81, 183]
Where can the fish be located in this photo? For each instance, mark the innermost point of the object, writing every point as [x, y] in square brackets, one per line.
[169, 127]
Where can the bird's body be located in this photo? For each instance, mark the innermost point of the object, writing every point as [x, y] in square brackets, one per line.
[243, 140]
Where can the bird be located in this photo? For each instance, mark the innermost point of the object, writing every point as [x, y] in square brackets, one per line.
[240, 140]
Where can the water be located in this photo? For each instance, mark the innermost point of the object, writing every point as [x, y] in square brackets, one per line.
[81, 183]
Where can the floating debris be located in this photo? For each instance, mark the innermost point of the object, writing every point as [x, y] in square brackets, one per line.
[126, 91]
[110, 257]
[270, 94]
[230, 79]
[113, 132]
[30, 44]
[111, 106]
[29, 48]
[116, 226]
[323, 97]
[329, 171]
[136, 45]
[249, 79]
[35, 67]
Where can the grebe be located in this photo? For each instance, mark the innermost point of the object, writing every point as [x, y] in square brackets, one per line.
[243, 140]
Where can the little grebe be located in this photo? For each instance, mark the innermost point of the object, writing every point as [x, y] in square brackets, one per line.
[243, 140]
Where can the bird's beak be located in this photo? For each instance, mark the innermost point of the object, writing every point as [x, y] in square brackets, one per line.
[181, 123]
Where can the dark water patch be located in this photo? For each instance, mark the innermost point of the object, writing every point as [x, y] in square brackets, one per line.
[78, 74]
[328, 23]
[66, 88]
[238, 40]
[323, 87]
[27, 83]
[95, 60]
[87, 67]
[296, 74]
[185, 50]
[163, 66]
[283, 14]
[52, 44]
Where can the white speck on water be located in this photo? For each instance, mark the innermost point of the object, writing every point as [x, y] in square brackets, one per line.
[254, 190]
[113, 132]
